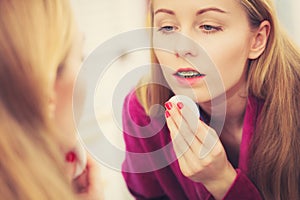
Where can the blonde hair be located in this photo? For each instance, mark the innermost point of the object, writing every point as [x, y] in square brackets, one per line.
[152, 90]
[30, 167]
[274, 77]
[35, 37]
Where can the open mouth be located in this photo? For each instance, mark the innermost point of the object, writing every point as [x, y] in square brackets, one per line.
[188, 74]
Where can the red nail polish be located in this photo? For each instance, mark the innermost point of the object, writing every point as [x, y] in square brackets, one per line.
[70, 157]
[180, 105]
[167, 114]
[168, 105]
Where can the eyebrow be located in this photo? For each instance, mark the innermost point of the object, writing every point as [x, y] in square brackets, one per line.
[199, 12]
[210, 9]
[170, 12]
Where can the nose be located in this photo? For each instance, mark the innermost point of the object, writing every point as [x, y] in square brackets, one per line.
[185, 53]
[185, 47]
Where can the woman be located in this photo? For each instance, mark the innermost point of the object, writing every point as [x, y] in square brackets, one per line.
[256, 155]
[40, 54]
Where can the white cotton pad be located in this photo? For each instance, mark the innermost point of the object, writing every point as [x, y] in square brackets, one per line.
[187, 101]
[81, 160]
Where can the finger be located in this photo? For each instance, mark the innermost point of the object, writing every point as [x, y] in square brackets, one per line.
[81, 183]
[94, 188]
[94, 173]
[190, 117]
[209, 142]
[206, 137]
[187, 159]
[194, 132]
[185, 144]
[191, 121]
[181, 124]
[179, 144]
[187, 166]
[204, 134]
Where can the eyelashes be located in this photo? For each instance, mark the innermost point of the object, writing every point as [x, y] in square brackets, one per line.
[210, 29]
[167, 29]
[205, 28]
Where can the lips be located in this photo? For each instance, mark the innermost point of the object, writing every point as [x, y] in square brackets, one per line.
[188, 73]
[188, 76]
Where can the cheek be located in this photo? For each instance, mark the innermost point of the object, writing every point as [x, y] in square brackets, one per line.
[79, 98]
[63, 112]
[163, 57]
[167, 61]
[64, 115]
[230, 59]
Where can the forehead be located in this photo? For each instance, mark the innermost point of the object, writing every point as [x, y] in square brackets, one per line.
[195, 5]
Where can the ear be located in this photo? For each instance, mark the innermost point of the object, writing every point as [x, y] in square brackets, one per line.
[260, 40]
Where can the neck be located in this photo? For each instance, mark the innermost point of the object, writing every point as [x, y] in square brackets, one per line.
[235, 114]
[235, 104]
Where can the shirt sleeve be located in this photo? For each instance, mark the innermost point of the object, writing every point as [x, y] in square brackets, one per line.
[241, 188]
[142, 185]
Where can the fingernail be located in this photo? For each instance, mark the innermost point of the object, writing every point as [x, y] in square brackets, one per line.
[70, 157]
[180, 105]
[168, 105]
[167, 114]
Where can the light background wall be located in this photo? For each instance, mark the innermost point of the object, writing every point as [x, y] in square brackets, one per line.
[100, 20]
[289, 15]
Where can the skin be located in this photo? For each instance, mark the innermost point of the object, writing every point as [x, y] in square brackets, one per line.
[87, 184]
[222, 29]
[63, 90]
[220, 34]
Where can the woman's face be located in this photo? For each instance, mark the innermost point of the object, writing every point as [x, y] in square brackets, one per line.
[219, 27]
[63, 88]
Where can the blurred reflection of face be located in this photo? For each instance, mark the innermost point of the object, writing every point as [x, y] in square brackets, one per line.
[220, 27]
[64, 84]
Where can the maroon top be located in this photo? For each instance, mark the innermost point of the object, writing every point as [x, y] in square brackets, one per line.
[151, 170]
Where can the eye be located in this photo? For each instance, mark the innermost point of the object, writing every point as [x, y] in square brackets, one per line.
[167, 29]
[210, 29]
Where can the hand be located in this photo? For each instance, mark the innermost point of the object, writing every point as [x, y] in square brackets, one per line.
[200, 153]
[89, 184]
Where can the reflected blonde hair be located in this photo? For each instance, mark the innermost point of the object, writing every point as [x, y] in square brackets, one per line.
[274, 77]
[30, 167]
[35, 37]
